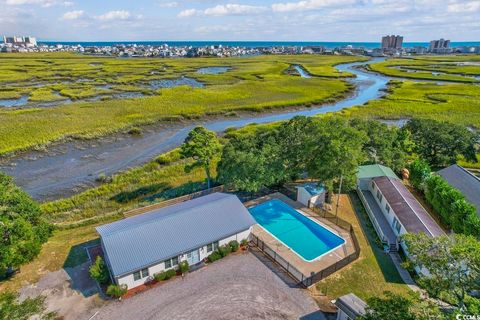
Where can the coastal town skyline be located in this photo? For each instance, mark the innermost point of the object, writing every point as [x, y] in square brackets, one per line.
[242, 20]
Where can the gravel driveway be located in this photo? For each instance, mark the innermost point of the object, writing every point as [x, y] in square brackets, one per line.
[238, 287]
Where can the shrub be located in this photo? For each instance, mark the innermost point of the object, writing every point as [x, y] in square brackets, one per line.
[170, 273]
[160, 276]
[184, 267]
[117, 291]
[452, 207]
[234, 245]
[214, 256]
[244, 242]
[419, 171]
[99, 271]
[224, 250]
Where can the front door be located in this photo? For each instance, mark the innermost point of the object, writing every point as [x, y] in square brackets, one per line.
[193, 257]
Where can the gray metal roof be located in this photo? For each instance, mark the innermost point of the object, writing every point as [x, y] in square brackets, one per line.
[410, 212]
[464, 181]
[147, 239]
[352, 305]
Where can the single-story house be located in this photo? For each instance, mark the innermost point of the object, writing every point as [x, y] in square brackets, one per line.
[311, 194]
[136, 248]
[350, 307]
[463, 180]
[392, 208]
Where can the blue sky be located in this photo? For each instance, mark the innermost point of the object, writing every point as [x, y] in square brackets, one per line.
[309, 20]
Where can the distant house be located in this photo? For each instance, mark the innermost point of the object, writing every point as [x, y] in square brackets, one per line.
[138, 247]
[350, 307]
[393, 210]
[311, 194]
[463, 180]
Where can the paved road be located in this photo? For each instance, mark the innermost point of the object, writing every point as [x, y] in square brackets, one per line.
[238, 287]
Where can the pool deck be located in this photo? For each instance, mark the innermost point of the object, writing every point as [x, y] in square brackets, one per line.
[293, 258]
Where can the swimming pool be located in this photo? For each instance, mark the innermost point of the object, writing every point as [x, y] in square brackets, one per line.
[305, 237]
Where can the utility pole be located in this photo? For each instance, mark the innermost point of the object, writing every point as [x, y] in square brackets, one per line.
[338, 195]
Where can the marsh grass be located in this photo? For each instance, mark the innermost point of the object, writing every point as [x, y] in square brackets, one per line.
[251, 84]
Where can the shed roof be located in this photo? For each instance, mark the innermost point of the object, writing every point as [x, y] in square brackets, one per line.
[147, 239]
[375, 170]
[352, 305]
[463, 180]
[412, 215]
[313, 188]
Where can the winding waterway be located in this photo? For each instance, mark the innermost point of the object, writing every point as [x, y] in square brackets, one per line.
[73, 166]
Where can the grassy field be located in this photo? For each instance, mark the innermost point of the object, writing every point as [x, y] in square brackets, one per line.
[164, 178]
[251, 84]
[446, 68]
[456, 103]
[373, 272]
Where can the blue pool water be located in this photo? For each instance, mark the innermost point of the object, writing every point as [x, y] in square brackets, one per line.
[301, 234]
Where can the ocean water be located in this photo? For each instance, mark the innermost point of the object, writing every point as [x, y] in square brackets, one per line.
[251, 44]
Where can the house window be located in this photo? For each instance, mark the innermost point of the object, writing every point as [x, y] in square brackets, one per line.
[379, 196]
[373, 185]
[387, 207]
[398, 227]
[137, 276]
[145, 273]
[171, 262]
[212, 246]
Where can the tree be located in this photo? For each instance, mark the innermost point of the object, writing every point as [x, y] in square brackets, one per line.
[453, 263]
[392, 307]
[384, 144]
[419, 172]
[251, 162]
[99, 271]
[293, 138]
[335, 151]
[23, 229]
[440, 143]
[202, 145]
[396, 307]
[11, 309]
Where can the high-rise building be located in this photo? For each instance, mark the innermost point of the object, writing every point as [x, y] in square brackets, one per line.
[392, 42]
[440, 46]
[20, 41]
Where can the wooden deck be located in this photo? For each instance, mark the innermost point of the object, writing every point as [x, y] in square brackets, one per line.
[305, 267]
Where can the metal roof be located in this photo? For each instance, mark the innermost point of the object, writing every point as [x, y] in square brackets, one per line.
[409, 211]
[375, 170]
[313, 188]
[352, 305]
[465, 182]
[147, 239]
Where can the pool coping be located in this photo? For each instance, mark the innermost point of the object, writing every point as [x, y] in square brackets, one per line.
[334, 232]
[288, 255]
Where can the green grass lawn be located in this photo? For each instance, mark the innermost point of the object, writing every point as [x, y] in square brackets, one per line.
[373, 272]
[251, 84]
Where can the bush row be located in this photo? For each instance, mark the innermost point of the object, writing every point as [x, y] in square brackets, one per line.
[224, 251]
[454, 210]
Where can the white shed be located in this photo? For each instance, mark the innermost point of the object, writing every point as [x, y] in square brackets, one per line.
[311, 194]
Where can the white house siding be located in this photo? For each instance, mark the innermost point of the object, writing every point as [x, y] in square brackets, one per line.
[131, 283]
[342, 315]
[303, 196]
[388, 215]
